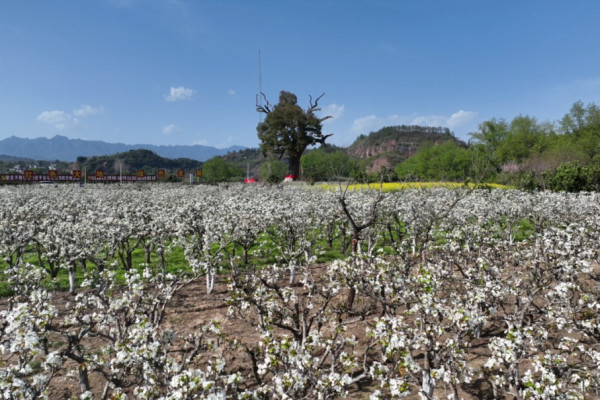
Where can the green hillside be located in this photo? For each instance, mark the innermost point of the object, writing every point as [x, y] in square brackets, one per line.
[404, 134]
[131, 161]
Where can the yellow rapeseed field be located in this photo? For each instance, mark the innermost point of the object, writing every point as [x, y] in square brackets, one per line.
[394, 186]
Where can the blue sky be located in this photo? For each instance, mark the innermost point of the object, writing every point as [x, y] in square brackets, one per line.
[186, 72]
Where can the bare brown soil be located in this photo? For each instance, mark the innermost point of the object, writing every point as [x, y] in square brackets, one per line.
[191, 309]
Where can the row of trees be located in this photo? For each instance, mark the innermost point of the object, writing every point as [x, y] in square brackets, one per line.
[523, 152]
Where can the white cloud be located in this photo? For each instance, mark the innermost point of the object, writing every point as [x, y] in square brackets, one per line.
[231, 92]
[372, 122]
[227, 143]
[60, 119]
[334, 110]
[461, 118]
[366, 124]
[180, 93]
[428, 120]
[86, 110]
[171, 129]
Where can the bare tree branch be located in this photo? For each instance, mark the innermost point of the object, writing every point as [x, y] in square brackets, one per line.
[267, 108]
[321, 139]
[314, 106]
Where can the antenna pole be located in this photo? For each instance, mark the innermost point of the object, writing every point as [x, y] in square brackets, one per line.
[259, 73]
[259, 84]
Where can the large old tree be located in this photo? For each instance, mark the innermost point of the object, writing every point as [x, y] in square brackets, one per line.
[288, 129]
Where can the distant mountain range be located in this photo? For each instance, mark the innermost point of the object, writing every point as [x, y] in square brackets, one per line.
[64, 149]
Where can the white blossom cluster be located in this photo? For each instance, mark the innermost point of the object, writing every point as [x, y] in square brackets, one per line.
[439, 293]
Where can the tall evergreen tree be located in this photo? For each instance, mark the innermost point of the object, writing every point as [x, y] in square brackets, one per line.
[289, 130]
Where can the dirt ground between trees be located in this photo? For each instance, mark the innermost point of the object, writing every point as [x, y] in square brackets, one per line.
[191, 309]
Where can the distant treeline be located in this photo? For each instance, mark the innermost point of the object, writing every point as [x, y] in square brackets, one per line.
[524, 152]
[408, 133]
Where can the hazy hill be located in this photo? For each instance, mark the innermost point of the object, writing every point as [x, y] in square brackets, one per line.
[65, 149]
[5, 158]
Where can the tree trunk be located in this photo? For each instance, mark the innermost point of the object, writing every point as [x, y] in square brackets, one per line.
[294, 165]
[427, 384]
[163, 265]
[352, 290]
[210, 280]
[84, 382]
[72, 267]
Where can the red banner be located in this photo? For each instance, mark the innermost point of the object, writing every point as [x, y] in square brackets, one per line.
[161, 173]
[99, 174]
[140, 173]
[76, 173]
[198, 173]
[180, 173]
[53, 174]
[17, 178]
[122, 178]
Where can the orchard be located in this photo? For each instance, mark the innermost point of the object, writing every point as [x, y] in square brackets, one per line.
[418, 293]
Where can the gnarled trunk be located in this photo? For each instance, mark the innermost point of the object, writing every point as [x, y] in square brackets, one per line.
[294, 166]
